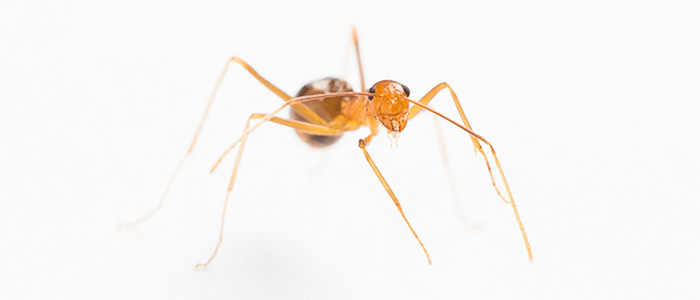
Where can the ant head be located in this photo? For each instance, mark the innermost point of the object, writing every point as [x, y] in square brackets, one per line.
[389, 105]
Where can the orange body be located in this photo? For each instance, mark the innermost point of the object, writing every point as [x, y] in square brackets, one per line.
[389, 107]
[324, 109]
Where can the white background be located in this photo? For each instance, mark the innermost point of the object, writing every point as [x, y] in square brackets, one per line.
[592, 106]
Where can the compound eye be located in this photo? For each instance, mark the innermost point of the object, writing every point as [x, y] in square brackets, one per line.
[371, 90]
[406, 90]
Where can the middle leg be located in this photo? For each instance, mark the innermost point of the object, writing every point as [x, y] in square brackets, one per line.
[363, 145]
[302, 126]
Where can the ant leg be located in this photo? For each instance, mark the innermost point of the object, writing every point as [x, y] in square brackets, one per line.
[300, 108]
[302, 126]
[359, 60]
[162, 198]
[306, 127]
[495, 157]
[304, 111]
[477, 146]
[363, 144]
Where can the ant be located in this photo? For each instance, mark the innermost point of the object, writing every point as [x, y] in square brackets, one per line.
[324, 109]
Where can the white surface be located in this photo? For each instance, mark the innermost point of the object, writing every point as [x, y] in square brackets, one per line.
[591, 106]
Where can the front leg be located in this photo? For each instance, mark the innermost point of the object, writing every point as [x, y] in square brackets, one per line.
[363, 144]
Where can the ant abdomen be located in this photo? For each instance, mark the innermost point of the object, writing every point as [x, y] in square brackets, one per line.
[327, 108]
